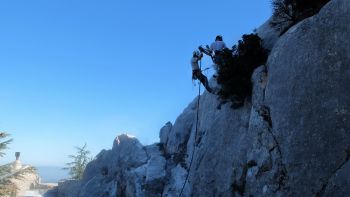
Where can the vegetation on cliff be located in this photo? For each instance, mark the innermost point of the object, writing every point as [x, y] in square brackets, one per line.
[79, 161]
[287, 13]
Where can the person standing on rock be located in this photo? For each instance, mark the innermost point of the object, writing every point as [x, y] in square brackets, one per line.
[218, 45]
[217, 48]
[196, 71]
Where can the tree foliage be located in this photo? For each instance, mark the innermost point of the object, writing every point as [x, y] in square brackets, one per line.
[287, 13]
[6, 187]
[4, 142]
[237, 66]
[79, 161]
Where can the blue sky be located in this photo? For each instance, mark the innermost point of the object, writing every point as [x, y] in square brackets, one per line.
[85, 71]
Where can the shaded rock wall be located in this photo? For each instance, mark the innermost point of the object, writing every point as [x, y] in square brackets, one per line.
[307, 92]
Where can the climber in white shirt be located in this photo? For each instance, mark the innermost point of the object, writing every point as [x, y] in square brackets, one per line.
[217, 48]
[218, 45]
[196, 71]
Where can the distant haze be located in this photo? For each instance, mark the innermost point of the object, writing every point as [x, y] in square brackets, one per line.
[52, 174]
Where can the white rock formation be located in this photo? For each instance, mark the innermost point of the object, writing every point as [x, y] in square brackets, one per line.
[25, 180]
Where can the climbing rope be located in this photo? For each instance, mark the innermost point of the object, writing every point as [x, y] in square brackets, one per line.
[195, 134]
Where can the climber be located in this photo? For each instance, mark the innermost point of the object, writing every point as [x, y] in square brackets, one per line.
[217, 47]
[196, 71]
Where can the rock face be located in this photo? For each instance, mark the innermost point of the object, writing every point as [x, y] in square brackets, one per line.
[292, 138]
[310, 114]
[129, 169]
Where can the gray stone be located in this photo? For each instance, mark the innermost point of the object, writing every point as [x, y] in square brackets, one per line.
[99, 186]
[176, 181]
[181, 130]
[164, 132]
[308, 95]
[69, 188]
[268, 34]
[339, 183]
[155, 171]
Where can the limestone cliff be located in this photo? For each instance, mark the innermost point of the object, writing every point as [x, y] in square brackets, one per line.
[292, 138]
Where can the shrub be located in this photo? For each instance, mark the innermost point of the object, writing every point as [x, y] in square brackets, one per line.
[287, 13]
[80, 160]
[237, 66]
[4, 144]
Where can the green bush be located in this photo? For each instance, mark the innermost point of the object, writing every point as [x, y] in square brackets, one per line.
[237, 66]
[287, 13]
[79, 161]
[4, 144]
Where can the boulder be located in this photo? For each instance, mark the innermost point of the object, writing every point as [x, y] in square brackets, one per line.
[164, 132]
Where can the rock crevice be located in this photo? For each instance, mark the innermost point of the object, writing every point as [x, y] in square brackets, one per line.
[321, 192]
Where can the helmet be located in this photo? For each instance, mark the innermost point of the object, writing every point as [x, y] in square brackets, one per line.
[196, 53]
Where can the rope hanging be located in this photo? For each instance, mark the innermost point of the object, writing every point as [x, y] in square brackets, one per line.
[195, 134]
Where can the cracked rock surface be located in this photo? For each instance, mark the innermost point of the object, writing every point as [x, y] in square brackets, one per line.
[307, 92]
[291, 138]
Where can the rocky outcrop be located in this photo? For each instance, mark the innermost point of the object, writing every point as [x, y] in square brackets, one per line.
[310, 114]
[291, 138]
[26, 181]
[129, 169]
[18, 181]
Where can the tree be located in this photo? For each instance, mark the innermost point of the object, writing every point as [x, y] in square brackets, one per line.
[237, 67]
[287, 13]
[80, 160]
[4, 144]
[6, 187]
